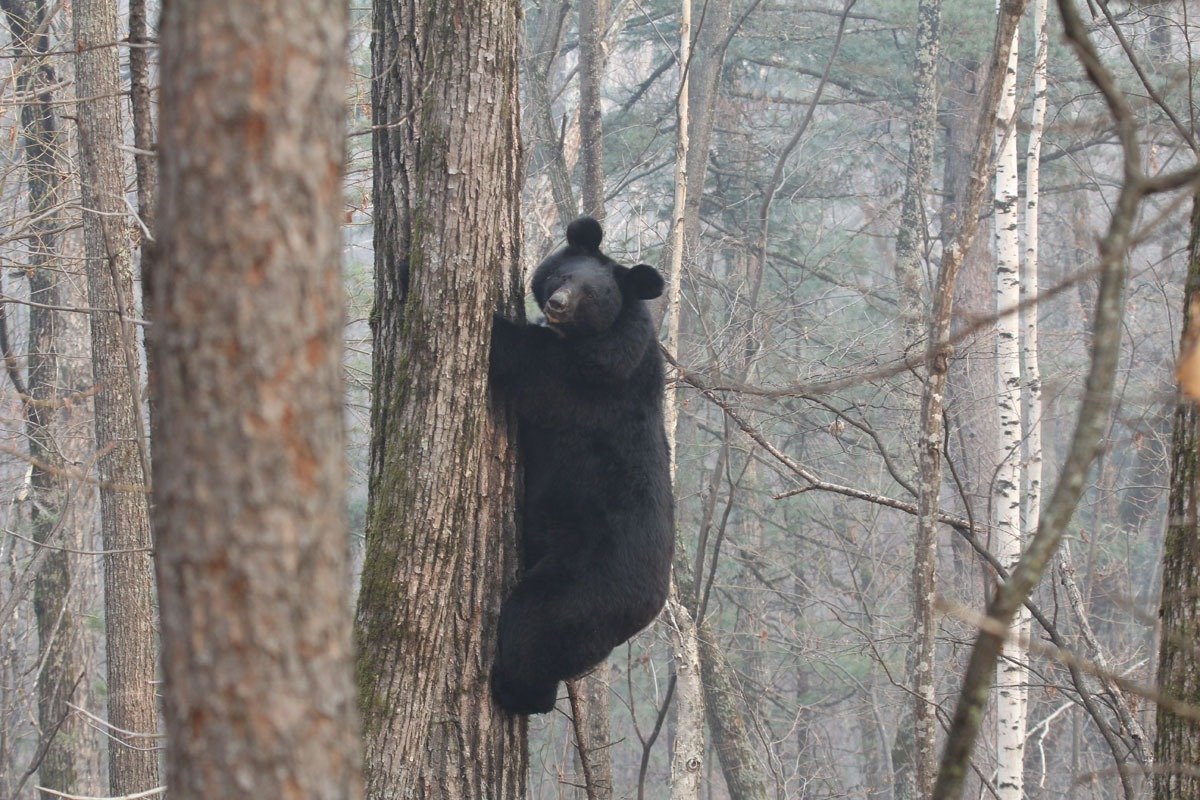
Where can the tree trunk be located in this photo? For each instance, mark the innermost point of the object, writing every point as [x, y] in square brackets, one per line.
[937, 356]
[541, 45]
[120, 437]
[593, 17]
[915, 762]
[910, 238]
[687, 746]
[142, 107]
[724, 703]
[58, 641]
[1032, 411]
[1177, 744]
[441, 529]
[251, 543]
[591, 697]
[1011, 672]
[145, 159]
[687, 757]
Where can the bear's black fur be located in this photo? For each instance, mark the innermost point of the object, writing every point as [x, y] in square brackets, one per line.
[599, 516]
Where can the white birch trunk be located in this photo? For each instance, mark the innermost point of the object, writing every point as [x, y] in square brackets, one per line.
[1029, 279]
[1011, 675]
[687, 756]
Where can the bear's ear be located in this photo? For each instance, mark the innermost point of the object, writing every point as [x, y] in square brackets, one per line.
[585, 233]
[645, 281]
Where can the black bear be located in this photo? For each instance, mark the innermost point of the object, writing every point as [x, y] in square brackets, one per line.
[587, 386]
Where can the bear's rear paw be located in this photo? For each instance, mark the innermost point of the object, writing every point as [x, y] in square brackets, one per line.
[522, 699]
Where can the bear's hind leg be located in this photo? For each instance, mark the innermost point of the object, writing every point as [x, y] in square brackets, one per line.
[522, 680]
[547, 634]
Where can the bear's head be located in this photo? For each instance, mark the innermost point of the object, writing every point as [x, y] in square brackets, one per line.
[581, 291]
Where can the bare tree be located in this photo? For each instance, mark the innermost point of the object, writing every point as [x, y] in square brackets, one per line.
[593, 19]
[120, 435]
[248, 480]
[687, 756]
[915, 751]
[937, 355]
[58, 758]
[441, 533]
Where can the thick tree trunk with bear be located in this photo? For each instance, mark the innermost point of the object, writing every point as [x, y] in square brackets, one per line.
[250, 536]
[441, 528]
[598, 525]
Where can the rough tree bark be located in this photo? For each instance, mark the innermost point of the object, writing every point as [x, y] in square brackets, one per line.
[142, 112]
[120, 437]
[441, 532]
[58, 641]
[1177, 743]
[251, 544]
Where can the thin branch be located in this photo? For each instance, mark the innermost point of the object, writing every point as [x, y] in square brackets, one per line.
[135, 796]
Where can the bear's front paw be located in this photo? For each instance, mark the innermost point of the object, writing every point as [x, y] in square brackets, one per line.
[505, 337]
[501, 323]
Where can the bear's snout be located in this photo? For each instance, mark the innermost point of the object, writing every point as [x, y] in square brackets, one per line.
[557, 304]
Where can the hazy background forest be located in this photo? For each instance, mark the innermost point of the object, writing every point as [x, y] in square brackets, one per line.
[803, 327]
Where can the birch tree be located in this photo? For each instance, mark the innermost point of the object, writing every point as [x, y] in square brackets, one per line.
[1093, 413]
[120, 435]
[250, 537]
[1012, 675]
[1032, 382]
[1030, 371]
[938, 346]
[441, 532]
